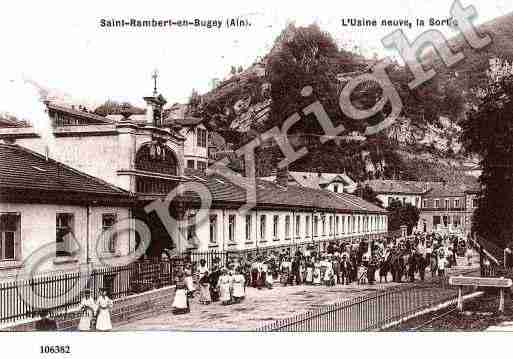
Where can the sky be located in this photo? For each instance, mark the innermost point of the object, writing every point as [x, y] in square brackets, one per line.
[61, 46]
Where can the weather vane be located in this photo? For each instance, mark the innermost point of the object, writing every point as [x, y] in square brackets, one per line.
[155, 75]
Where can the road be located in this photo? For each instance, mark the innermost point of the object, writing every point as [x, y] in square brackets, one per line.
[261, 307]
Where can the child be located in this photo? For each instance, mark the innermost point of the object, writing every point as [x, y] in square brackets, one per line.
[88, 308]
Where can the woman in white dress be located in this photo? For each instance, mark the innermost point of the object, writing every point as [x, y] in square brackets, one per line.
[317, 273]
[189, 281]
[328, 271]
[309, 271]
[88, 310]
[238, 286]
[104, 304]
[224, 285]
[181, 301]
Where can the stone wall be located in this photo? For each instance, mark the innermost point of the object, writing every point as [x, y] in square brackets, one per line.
[125, 310]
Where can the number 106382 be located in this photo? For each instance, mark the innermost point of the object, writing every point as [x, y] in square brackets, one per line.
[55, 349]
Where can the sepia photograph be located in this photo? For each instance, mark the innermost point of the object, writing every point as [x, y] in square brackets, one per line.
[256, 167]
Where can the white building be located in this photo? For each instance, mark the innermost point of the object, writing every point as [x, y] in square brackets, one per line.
[335, 182]
[195, 133]
[404, 191]
[142, 162]
[283, 214]
[48, 208]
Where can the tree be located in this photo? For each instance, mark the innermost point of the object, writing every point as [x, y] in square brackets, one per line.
[304, 56]
[402, 214]
[488, 132]
[368, 194]
[110, 107]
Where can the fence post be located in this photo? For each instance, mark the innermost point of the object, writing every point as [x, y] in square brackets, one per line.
[460, 299]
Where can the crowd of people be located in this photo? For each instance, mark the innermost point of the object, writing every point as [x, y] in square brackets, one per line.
[387, 259]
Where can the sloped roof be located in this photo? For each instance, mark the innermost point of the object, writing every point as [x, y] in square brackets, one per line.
[271, 194]
[399, 186]
[88, 117]
[24, 170]
[469, 184]
[9, 121]
[186, 121]
[446, 190]
[316, 180]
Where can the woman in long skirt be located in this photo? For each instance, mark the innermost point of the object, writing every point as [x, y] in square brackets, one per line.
[317, 273]
[224, 285]
[238, 286]
[204, 283]
[103, 321]
[309, 271]
[181, 301]
[204, 289]
[189, 281]
[88, 309]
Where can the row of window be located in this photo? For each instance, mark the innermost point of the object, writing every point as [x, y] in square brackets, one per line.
[10, 235]
[336, 225]
[200, 165]
[442, 203]
[448, 203]
[446, 221]
[404, 200]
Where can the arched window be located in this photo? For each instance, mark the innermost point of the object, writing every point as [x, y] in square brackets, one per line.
[156, 157]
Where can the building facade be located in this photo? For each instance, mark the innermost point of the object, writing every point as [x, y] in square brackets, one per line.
[444, 207]
[282, 214]
[334, 182]
[51, 211]
[138, 163]
[448, 209]
[404, 191]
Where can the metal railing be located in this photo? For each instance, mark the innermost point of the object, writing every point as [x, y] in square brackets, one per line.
[24, 298]
[370, 312]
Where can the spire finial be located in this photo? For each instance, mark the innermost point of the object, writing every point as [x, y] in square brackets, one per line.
[155, 75]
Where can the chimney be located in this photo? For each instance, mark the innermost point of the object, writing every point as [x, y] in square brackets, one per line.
[282, 176]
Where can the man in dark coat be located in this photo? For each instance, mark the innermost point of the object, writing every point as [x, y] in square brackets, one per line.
[345, 270]
[296, 264]
[213, 278]
[421, 265]
[371, 269]
[46, 324]
[411, 266]
[336, 267]
[354, 267]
